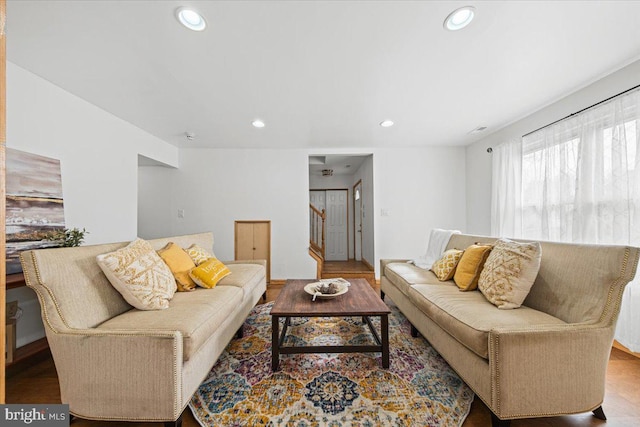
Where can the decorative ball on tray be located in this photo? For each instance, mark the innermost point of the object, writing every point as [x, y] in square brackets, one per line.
[327, 288]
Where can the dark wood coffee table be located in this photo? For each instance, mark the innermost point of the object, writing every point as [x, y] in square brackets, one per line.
[361, 301]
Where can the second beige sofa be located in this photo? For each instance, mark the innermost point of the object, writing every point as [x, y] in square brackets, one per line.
[546, 358]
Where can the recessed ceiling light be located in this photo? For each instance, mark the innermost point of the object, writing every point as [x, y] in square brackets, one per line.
[386, 124]
[460, 18]
[257, 123]
[191, 19]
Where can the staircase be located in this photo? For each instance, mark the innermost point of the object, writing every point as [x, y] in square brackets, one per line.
[330, 269]
[317, 219]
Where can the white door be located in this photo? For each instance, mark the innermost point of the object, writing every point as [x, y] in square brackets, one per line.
[336, 226]
[357, 220]
[316, 198]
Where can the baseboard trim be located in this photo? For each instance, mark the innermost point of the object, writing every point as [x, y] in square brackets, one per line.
[369, 266]
[619, 346]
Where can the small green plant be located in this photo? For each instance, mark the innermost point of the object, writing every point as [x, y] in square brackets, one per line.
[68, 237]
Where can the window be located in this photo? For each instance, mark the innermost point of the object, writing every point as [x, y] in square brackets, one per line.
[577, 180]
[579, 170]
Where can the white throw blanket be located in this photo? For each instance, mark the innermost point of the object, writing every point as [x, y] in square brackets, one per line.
[438, 240]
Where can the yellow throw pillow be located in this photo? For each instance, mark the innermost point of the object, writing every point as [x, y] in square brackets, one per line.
[509, 272]
[140, 275]
[445, 267]
[180, 263]
[209, 273]
[470, 266]
[198, 254]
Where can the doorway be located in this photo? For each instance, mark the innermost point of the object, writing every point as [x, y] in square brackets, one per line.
[354, 173]
[334, 204]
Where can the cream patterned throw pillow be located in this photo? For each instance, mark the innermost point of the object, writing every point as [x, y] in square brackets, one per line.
[445, 267]
[198, 254]
[140, 275]
[509, 273]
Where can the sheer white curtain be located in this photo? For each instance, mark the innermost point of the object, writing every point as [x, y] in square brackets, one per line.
[506, 189]
[580, 182]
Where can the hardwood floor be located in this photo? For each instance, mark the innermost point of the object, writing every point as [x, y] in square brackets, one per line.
[351, 266]
[39, 384]
[348, 270]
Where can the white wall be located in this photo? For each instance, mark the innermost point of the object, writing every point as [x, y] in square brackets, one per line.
[155, 202]
[98, 155]
[420, 189]
[478, 166]
[217, 187]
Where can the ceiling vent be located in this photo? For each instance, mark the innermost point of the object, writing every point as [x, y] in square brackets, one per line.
[479, 129]
[327, 172]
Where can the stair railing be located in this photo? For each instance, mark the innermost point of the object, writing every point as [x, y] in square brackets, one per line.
[317, 220]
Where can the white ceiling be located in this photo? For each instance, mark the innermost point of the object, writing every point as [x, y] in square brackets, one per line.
[339, 164]
[321, 74]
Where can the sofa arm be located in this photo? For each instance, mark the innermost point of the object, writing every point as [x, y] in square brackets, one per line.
[262, 262]
[548, 370]
[120, 375]
[384, 262]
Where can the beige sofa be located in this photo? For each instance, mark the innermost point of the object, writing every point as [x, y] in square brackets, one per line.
[115, 362]
[546, 358]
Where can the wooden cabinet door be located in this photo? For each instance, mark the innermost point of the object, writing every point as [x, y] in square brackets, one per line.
[253, 241]
[244, 241]
[261, 240]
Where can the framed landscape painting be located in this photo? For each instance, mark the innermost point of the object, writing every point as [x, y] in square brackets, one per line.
[34, 203]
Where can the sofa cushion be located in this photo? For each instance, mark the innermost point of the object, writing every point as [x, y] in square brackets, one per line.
[197, 315]
[469, 317]
[140, 275]
[404, 274]
[245, 276]
[509, 272]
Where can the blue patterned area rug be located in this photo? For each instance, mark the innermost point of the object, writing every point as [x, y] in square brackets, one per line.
[332, 390]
